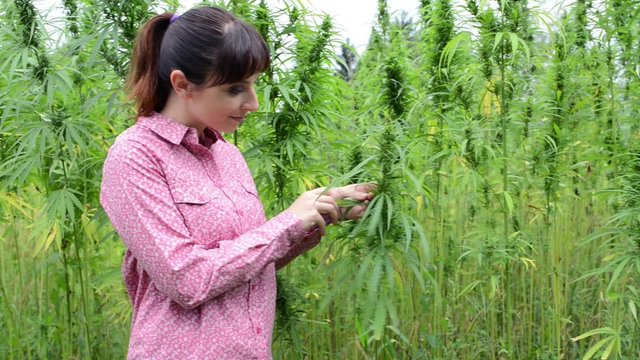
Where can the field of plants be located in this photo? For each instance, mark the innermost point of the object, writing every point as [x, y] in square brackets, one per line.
[505, 142]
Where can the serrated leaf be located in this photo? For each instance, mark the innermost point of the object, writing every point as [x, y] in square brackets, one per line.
[376, 215]
[599, 331]
[379, 319]
[616, 273]
[497, 40]
[607, 352]
[592, 350]
[469, 288]
[632, 308]
[508, 201]
[374, 280]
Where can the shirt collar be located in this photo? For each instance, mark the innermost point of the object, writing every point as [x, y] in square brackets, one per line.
[174, 132]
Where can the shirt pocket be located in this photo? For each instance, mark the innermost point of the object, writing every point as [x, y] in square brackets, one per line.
[192, 195]
[206, 213]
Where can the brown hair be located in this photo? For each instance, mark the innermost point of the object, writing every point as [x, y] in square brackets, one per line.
[208, 44]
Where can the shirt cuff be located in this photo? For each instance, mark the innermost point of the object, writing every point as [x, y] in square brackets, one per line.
[293, 224]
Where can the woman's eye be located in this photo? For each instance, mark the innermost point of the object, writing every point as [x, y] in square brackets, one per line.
[235, 90]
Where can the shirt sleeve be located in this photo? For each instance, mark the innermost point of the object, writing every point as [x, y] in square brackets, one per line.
[137, 199]
[310, 241]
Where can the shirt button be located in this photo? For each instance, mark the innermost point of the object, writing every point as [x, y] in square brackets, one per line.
[258, 330]
[254, 287]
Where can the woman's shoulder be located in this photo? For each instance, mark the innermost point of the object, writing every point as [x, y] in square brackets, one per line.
[137, 142]
[154, 130]
[130, 139]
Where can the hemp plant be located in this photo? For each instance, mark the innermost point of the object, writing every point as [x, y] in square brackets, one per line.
[296, 96]
[502, 139]
[621, 271]
[53, 159]
[388, 232]
[124, 19]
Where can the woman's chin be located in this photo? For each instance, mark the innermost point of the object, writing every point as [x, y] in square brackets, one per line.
[229, 129]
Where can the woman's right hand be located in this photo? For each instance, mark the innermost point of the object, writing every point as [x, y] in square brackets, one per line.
[312, 205]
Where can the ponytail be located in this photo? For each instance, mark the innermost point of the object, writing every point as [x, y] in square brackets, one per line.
[208, 44]
[144, 84]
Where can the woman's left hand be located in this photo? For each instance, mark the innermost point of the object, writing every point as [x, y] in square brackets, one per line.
[360, 193]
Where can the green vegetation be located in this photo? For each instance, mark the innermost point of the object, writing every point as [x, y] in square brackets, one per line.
[504, 141]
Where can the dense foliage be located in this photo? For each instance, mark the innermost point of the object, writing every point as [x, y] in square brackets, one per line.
[504, 142]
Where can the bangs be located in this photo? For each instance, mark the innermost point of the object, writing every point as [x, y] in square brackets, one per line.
[242, 54]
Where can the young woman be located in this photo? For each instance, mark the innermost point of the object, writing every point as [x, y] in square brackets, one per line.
[201, 256]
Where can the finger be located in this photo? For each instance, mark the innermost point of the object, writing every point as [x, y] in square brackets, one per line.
[327, 200]
[337, 193]
[355, 195]
[359, 192]
[329, 209]
[333, 212]
[343, 192]
[317, 191]
[356, 212]
[366, 187]
[319, 221]
[361, 196]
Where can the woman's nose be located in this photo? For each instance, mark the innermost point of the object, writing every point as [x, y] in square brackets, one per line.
[251, 103]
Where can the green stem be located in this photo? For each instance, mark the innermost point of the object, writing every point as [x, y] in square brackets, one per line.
[18, 257]
[333, 337]
[74, 238]
[505, 187]
[65, 263]
[9, 318]
[83, 293]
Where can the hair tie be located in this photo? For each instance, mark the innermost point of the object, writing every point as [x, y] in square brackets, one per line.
[174, 18]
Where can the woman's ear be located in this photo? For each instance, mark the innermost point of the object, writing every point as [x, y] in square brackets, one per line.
[180, 84]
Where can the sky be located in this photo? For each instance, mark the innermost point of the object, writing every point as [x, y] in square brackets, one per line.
[352, 19]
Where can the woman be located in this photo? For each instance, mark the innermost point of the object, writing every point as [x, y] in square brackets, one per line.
[201, 257]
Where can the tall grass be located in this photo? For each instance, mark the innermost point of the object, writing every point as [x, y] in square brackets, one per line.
[503, 141]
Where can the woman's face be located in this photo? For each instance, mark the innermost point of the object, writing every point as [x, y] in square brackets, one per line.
[223, 107]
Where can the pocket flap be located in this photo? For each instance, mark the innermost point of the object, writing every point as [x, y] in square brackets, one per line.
[192, 195]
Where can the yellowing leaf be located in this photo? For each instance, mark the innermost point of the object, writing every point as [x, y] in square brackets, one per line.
[16, 203]
[432, 129]
[485, 104]
[529, 263]
[55, 234]
[419, 203]
[307, 182]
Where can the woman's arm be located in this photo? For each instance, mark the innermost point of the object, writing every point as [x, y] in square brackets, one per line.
[138, 201]
[359, 194]
[309, 242]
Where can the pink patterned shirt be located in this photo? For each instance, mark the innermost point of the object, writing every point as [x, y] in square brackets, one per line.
[199, 265]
